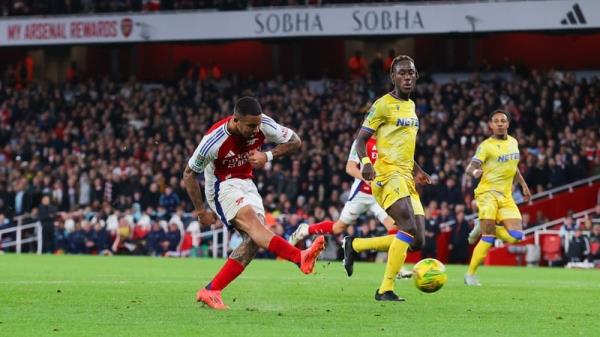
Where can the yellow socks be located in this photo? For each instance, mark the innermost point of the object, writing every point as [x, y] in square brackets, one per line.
[480, 252]
[396, 257]
[380, 243]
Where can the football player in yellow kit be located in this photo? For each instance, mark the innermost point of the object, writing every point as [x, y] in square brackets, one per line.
[393, 121]
[496, 163]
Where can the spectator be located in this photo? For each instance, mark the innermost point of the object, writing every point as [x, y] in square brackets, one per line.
[432, 230]
[526, 221]
[154, 240]
[124, 233]
[540, 218]
[459, 245]
[172, 239]
[61, 238]
[451, 193]
[22, 201]
[567, 229]
[377, 67]
[595, 243]
[357, 65]
[101, 239]
[76, 240]
[579, 247]
[388, 60]
[169, 200]
[46, 214]
[88, 237]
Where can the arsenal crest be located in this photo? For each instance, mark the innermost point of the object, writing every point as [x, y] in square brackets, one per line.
[126, 26]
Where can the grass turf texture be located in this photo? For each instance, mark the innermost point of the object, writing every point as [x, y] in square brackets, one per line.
[142, 296]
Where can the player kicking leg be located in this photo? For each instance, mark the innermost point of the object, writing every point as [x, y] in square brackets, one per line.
[255, 235]
[227, 155]
[350, 213]
[359, 202]
[353, 246]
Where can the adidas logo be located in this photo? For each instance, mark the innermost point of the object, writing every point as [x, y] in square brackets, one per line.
[230, 154]
[574, 17]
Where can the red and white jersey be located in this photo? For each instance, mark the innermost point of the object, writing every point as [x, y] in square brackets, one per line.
[358, 184]
[221, 155]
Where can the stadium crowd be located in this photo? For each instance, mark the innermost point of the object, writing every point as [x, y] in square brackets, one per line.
[100, 162]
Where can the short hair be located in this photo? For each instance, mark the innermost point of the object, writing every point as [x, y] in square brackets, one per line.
[399, 59]
[247, 106]
[499, 111]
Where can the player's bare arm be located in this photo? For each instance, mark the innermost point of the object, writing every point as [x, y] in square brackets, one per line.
[421, 177]
[353, 169]
[258, 159]
[368, 172]
[193, 190]
[526, 193]
[474, 169]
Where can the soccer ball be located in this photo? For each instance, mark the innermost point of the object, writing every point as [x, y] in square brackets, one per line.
[429, 275]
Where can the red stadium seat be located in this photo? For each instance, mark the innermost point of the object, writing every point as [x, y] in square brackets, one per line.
[551, 249]
[594, 247]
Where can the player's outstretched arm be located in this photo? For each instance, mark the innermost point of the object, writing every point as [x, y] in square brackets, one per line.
[353, 169]
[289, 147]
[193, 190]
[526, 193]
[368, 172]
[474, 169]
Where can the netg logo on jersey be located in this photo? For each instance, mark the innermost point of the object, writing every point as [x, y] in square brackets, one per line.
[508, 157]
[408, 122]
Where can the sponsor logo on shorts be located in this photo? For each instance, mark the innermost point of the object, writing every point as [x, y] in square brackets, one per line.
[239, 201]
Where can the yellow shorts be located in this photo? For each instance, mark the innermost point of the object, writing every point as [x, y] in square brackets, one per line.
[394, 188]
[493, 205]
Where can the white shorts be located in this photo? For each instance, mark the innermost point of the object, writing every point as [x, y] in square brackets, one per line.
[229, 196]
[360, 204]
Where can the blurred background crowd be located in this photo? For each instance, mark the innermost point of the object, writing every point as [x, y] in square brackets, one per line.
[100, 161]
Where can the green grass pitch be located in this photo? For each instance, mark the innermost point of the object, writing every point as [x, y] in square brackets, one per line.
[142, 296]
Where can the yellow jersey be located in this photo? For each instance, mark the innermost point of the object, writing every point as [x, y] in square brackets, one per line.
[395, 125]
[499, 160]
